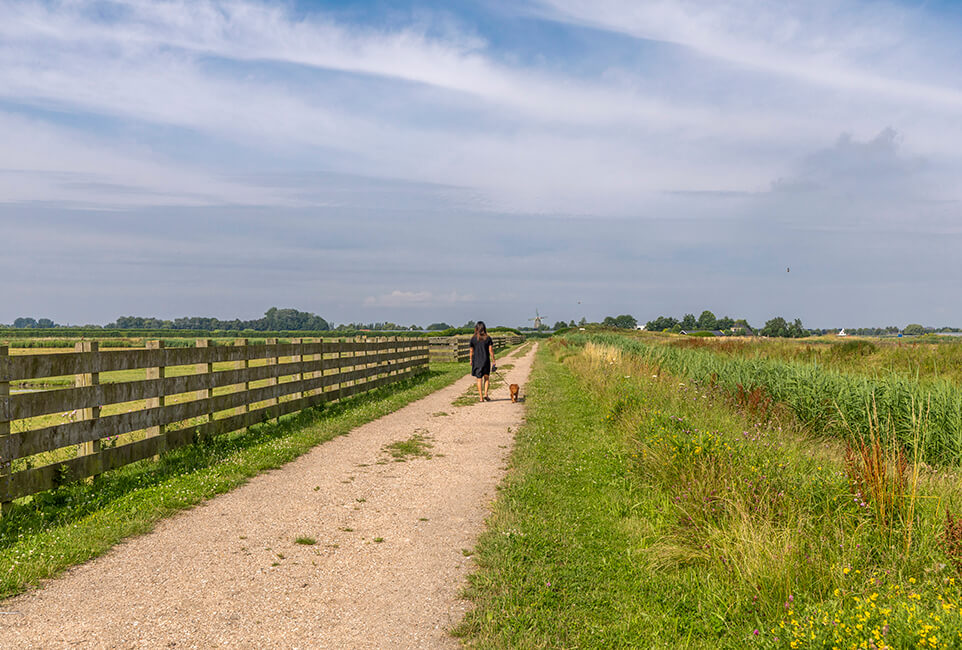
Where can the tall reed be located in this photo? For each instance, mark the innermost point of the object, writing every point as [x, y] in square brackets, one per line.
[827, 400]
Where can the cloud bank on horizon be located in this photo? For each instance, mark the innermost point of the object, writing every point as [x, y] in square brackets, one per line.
[417, 161]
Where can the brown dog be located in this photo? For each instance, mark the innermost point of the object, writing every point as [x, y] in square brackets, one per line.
[514, 392]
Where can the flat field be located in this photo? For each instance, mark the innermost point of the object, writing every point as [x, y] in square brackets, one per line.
[643, 509]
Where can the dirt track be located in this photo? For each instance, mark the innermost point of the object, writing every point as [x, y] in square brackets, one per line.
[230, 574]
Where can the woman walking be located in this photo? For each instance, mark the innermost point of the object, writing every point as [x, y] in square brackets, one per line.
[482, 359]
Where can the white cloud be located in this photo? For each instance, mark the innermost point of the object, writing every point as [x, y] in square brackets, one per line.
[820, 42]
[200, 129]
[398, 298]
[429, 105]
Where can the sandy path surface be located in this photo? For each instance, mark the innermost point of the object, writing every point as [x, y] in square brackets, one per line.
[229, 573]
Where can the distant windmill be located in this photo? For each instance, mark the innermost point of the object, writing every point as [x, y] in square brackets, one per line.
[537, 319]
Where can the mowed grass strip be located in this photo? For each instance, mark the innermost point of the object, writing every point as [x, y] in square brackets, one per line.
[555, 570]
[43, 535]
[643, 511]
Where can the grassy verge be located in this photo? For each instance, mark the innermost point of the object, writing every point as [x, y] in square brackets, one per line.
[44, 535]
[555, 571]
[643, 511]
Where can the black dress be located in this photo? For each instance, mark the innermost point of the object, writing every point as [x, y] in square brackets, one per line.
[481, 362]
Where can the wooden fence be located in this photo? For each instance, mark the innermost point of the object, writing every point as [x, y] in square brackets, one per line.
[457, 348]
[174, 397]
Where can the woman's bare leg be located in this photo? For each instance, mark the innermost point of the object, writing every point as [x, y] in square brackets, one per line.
[480, 394]
[487, 382]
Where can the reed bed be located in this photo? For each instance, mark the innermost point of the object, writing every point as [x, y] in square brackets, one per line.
[827, 400]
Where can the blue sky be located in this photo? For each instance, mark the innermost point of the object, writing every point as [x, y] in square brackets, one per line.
[422, 161]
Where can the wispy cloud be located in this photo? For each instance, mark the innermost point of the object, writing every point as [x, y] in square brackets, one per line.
[398, 298]
[610, 152]
[848, 45]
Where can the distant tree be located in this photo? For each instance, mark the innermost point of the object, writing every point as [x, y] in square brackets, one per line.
[46, 323]
[415, 328]
[572, 323]
[289, 319]
[795, 330]
[688, 322]
[707, 321]
[676, 328]
[583, 322]
[560, 325]
[661, 324]
[779, 327]
[609, 321]
[470, 324]
[626, 321]
[776, 327]
[438, 326]
[725, 323]
[25, 323]
[912, 329]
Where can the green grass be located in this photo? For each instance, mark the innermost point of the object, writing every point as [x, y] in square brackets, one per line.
[306, 541]
[43, 535]
[416, 446]
[643, 511]
[555, 571]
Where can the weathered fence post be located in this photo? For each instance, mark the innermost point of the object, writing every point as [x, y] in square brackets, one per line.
[391, 361]
[358, 343]
[380, 352]
[272, 361]
[5, 463]
[337, 371]
[298, 357]
[90, 447]
[157, 372]
[320, 372]
[205, 369]
[242, 365]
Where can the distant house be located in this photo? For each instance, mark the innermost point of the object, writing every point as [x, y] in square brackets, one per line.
[841, 332]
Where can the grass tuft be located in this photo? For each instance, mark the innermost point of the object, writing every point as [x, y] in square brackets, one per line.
[416, 446]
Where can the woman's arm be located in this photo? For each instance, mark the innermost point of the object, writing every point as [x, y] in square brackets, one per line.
[491, 350]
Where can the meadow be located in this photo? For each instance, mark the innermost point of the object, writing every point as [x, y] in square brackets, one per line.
[646, 510]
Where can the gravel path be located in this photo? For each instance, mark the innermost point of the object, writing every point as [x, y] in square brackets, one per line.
[386, 570]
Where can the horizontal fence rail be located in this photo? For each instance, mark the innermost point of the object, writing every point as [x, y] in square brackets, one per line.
[457, 348]
[160, 399]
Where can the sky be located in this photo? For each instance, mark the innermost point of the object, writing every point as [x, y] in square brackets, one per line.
[415, 162]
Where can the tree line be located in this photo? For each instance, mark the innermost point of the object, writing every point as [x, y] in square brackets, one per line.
[274, 320]
[777, 327]
[688, 322]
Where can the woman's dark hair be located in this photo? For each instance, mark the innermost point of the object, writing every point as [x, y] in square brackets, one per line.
[480, 331]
